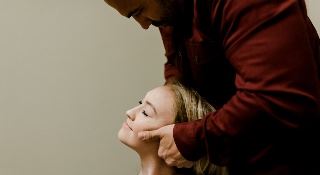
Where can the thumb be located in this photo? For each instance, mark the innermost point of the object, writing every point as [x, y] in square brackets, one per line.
[147, 135]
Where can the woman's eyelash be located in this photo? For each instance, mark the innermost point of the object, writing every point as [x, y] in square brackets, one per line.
[140, 102]
[144, 113]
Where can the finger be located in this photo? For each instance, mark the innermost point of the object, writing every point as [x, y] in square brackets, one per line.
[184, 164]
[179, 166]
[163, 153]
[171, 162]
[147, 135]
[187, 164]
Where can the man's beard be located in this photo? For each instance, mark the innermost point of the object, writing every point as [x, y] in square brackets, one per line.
[163, 22]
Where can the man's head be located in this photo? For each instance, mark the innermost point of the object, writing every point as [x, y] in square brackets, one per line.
[146, 12]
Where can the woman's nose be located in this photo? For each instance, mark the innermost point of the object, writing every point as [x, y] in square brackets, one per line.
[130, 114]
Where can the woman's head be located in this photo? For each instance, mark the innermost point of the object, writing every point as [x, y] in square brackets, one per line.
[164, 105]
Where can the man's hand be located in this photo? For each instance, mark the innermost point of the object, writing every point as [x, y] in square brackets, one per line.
[167, 148]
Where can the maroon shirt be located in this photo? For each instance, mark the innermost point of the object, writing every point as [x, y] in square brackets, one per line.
[257, 62]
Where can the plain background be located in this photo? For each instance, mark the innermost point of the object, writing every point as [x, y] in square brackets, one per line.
[68, 72]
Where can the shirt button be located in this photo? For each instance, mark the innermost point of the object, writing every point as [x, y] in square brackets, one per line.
[196, 59]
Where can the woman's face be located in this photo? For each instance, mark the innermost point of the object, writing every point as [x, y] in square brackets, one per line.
[154, 111]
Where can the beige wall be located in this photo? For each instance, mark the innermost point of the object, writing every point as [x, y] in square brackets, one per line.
[68, 71]
[314, 13]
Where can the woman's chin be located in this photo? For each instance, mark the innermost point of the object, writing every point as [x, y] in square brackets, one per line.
[122, 136]
[128, 138]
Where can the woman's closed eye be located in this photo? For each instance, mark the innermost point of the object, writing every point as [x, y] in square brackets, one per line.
[145, 113]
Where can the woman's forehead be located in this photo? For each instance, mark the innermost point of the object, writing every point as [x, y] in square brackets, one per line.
[162, 98]
[161, 92]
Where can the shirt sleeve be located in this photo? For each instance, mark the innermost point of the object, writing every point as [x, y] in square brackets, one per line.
[171, 71]
[271, 46]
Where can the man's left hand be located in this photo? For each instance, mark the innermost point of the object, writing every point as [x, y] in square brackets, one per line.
[167, 149]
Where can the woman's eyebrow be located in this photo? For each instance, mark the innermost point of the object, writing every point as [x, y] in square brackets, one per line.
[152, 106]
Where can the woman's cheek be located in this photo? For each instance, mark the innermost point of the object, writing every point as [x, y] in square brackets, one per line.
[139, 127]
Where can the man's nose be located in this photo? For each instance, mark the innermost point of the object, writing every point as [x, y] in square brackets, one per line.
[144, 22]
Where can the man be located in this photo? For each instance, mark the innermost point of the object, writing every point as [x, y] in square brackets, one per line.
[257, 62]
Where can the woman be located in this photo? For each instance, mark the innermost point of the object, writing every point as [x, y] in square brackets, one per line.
[171, 103]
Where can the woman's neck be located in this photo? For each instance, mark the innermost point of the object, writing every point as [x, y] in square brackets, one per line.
[153, 165]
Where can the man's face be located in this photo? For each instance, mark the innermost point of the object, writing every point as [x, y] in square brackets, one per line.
[145, 12]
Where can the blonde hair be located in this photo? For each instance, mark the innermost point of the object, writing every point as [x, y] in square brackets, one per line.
[189, 106]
